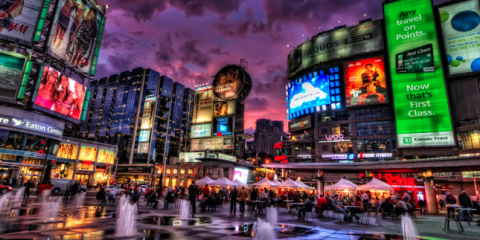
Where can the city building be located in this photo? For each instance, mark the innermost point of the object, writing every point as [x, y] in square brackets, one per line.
[266, 134]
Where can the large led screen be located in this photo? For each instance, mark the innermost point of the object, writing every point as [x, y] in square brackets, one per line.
[60, 94]
[11, 72]
[88, 153]
[202, 130]
[74, 33]
[224, 108]
[419, 93]
[106, 156]
[309, 94]
[241, 175]
[190, 156]
[223, 126]
[203, 110]
[211, 144]
[18, 20]
[365, 82]
[67, 150]
[461, 30]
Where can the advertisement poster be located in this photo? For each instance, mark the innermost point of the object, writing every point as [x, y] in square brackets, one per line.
[309, 94]
[363, 38]
[144, 136]
[74, 33]
[420, 97]
[300, 123]
[88, 153]
[241, 175]
[202, 130]
[60, 94]
[190, 156]
[228, 82]
[18, 20]
[224, 108]
[11, 71]
[223, 126]
[227, 157]
[67, 150]
[461, 31]
[106, 156]
[148, 108]
[211, 144]
[203, 111]
[365, 82]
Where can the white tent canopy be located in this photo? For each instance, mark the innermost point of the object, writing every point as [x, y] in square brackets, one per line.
[224, 182]
[343, 184]
[265, 183]
[240, 184]
[204, 181]
[276, 182]
[302, 185]
[289, 184]
[375, 184]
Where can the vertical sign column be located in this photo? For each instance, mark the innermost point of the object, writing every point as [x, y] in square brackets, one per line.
[420, 98]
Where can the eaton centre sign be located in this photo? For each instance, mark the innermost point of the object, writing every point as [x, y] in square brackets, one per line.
[28, 124]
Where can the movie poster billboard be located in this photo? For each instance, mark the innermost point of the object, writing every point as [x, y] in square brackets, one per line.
[106, 156]
[60, 94]
[67, 150]
[365, 82]
[346, 42]
[228, 82]
[19, 19]
[212, 144]
[203, 111]
[75, 30]
[11, 71]
[420, 99]
[224, 108]
[461, 28]
[186, 157]
[202, 130]
[88, 153]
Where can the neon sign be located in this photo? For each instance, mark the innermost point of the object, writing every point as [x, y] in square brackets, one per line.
[278, 145]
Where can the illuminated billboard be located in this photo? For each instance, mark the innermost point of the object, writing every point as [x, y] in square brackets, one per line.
[190, 156]
[461, 28]
[223, 126]
[300, 123]
[224, 108]
[227, 157]
[88, 153]
[106, 156]
[76, 34]
[202, 130]
[11, 72]
[419, 93]
[19, 19]
[60, 94]
[241, 175]
[203, 110]
[228, 82]
[365, 82]
[308, 94]
[211, 144]
[67, 150]
[345, 42]
[144, 136]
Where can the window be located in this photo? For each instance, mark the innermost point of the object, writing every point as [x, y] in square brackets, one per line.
[375, 128]
[388, 145]
[373, 113]
[190, 171]
[168, 171]
[342, 147]
[305, 147]
[344, 129]
[333, 116]
[468, 140]
[182, 171]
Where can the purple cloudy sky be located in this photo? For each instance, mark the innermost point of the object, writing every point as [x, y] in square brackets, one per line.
[190, 40]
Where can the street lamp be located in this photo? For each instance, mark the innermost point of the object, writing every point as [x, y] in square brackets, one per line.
[290, 46]
[303, 35]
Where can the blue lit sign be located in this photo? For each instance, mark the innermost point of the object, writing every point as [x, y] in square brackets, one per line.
[309, 94]
[222, 126]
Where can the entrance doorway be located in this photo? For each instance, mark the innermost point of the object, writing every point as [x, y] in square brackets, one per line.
[83, 179]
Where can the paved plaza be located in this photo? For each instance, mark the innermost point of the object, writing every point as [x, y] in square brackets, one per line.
[99, 222]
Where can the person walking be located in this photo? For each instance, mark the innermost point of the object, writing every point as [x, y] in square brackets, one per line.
[28, 186]
[192, 196]
[465, 202]
[450, 199]
[233, 201]
[68, 188]
[242, 197]
[441, 203]
[74, 190]
[422, 206]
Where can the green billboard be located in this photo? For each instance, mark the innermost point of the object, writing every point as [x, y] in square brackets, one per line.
[420, 98]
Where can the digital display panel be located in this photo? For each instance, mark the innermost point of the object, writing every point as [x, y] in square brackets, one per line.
[88, 153]
[67, 150]
[211, 144]
[106, 156]
[18, 20]
[224, 108]
[202, 130]
[190, 156]
[144, 136]
[60, 94]
[203, 110]
[365, 82]
[461, 30]
[419, 92]
[241, 175]
[75, 30]
[308, 94]
[223, 126]
[227, 157]
[300, 123]
[11, 72]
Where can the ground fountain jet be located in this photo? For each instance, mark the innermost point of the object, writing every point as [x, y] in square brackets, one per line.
[19, 195]
[126, 224]
[4, 203]
[409, 230]
[50, 208]
[272, 216]
[263, 230]
[79, 200]
[184, 210]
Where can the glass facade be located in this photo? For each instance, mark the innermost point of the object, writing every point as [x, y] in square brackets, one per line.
[375, 128]
[388, 145]
[468, 140]
[333, 116]
[379, 112]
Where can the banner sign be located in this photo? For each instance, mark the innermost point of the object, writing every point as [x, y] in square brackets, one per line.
[28, 124]
[421, 106]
